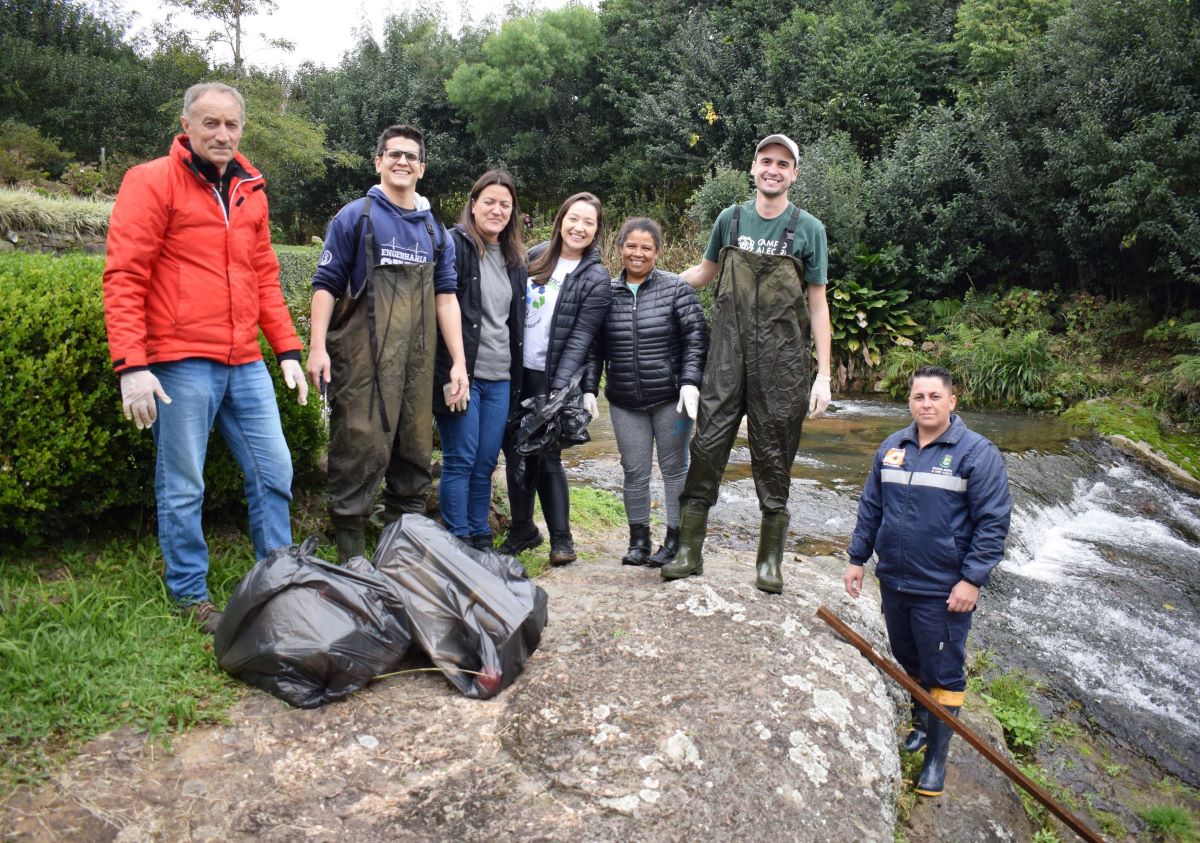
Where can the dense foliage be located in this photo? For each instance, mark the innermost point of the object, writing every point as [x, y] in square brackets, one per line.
[66, 453]
[981, 145]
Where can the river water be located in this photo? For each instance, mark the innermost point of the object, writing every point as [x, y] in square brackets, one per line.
[1099, 591]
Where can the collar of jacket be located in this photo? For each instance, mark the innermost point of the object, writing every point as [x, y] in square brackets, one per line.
[619, 283]
[590, 257]
[206, 171]
[950, 435]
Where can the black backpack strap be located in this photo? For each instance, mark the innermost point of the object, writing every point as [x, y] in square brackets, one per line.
[735, 225]
[789, 236]
[438, 241]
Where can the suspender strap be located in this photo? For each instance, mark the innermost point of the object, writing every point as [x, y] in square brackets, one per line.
[369, 289]
[368, 255]
[789, 236]
[734, 225]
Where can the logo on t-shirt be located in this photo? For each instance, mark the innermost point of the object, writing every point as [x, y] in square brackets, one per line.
[746, 244]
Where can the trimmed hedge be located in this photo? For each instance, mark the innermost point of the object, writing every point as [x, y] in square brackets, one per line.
[67, 455]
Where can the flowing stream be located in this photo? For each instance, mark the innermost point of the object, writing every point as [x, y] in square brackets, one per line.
[1099, 590]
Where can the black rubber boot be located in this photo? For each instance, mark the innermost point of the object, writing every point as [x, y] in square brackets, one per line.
[562, 549]
[918, 737]
[770, 551]
[667, 551]
[521, 536]
[350, 543]
[689, 559]
[639, 545]
[933, 775]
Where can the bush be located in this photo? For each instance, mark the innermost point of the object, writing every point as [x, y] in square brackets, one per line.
[67, 455]
[726, 187]
[27, 155]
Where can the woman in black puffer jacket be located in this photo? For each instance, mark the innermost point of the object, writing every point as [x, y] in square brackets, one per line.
[566, 302]
[653, 344]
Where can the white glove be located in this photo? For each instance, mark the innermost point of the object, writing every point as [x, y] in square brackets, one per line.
[589, 404]
[818, 396]
[138, 391]
[689, 400]
[293, 376]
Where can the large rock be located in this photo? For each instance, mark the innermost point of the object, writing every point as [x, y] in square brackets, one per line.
[701, 709]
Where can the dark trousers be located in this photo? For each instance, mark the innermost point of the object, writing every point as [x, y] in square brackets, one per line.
[927, 639]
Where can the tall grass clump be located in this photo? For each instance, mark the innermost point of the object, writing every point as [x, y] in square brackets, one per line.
[25, 210]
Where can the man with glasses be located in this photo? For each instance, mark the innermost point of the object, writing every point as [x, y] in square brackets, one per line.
[769, 260]
[189, 281]
[386, 273]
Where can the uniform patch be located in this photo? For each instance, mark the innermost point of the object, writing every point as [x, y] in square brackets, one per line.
[894, 456]
[326, 257]
[947, 461]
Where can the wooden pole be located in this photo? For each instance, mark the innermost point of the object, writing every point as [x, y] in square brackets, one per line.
[922, 696]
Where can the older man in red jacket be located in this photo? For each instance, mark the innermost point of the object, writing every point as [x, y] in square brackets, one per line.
[190, 279]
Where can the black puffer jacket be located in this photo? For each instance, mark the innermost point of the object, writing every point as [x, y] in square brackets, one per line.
[470, 303]
[651, 346]
[579, 312]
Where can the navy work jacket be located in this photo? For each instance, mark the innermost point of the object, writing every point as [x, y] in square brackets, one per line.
[933, 515]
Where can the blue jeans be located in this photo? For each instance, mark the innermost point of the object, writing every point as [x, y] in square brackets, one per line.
[470, 449]
[240, 400]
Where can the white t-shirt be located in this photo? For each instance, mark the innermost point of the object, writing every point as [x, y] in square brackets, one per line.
[539, 312]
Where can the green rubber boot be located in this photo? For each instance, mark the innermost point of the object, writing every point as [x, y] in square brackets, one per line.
[770, 551]
[350, 543]
[693, 526]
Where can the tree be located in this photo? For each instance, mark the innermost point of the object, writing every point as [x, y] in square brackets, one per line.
[529, 101]
[401, 79]
[231, 17]
[990, 35]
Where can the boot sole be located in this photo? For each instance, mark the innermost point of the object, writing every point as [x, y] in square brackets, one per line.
[694, 573]
[769, 589]
[931, 793]
[521, 547]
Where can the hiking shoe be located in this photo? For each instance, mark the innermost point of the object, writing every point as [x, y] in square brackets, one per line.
[203, 614]
[521, 537]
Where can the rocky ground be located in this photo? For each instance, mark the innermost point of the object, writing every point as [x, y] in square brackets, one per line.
[652, 711]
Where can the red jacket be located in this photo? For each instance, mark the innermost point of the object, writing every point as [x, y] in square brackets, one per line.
[183, 280]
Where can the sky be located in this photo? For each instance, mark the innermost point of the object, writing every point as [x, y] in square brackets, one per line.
[321, 30]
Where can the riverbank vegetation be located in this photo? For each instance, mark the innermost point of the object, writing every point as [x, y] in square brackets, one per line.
[1093, 775]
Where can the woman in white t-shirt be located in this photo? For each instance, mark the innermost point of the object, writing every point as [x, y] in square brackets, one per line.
[566, 302]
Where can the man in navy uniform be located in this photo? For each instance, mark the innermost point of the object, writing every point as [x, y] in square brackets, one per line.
[935, 510]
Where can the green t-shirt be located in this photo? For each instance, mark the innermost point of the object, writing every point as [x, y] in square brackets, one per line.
[756, 234]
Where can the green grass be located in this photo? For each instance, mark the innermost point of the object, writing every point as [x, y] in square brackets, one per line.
[25, 210]
[90, 643]
[1114, 417]
[1171, 822]
[1024, 725]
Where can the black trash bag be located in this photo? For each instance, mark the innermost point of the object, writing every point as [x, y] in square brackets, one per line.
[550, 424]
[310, 632]
[544, 424]
[475, 612]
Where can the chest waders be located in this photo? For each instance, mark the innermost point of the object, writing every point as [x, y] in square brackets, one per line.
[381, 346]
[759, 366]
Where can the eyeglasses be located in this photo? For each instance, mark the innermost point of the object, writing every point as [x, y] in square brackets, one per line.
[397, 154]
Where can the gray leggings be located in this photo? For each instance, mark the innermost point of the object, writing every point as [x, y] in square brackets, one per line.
[637, 432]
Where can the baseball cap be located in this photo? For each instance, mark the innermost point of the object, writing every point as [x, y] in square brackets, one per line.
[782, 140]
